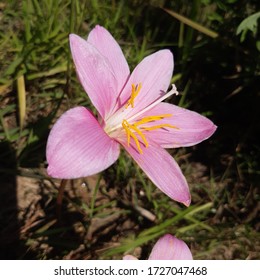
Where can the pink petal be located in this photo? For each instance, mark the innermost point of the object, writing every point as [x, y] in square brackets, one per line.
[162, 169]
[95, 74]
[129, 258]
[169, 247]
[104, 42]
[154, 73]
[192, 128]
[77, 146]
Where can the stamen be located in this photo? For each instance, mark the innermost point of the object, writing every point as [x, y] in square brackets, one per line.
[127, 130]
[140, 133]
[129, 134]
[115, 121]
[155, 118]
[134, 93]
[152, 118]
[159, 100]
[131, 128]
[138, 128]
[136, 142]
[159, 126]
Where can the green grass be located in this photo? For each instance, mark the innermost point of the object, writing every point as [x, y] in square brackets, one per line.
[122, 212]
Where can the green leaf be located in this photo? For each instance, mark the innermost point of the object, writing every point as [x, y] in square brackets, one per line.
[14, 65]
[248, 24]
[258, 45]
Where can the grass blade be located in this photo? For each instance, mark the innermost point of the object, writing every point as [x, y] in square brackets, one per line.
[21, 100]
[193, 24]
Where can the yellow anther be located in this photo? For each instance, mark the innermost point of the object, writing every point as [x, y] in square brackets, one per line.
[159, 126]
[133, 129]
[127, 130]
[140, 133]
[130, 134]
[134, 93]
[136, 142]
[152, 118]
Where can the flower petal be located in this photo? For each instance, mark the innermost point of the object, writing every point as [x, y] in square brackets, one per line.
[104, 42]
[191, 127]
[169, 247]
[77, 146]
[95, 74]
[162, 169]
[154, 74]
[129, 258]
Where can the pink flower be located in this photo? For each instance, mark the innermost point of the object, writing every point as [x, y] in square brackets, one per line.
[167, 247]
[130, 113]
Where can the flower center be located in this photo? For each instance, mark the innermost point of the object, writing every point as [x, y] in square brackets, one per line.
[135, 126]
[136, 129]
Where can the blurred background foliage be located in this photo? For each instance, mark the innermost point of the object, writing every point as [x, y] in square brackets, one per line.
[216, 50]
